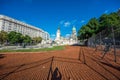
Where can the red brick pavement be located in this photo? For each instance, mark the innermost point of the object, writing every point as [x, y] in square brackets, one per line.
[73, 63]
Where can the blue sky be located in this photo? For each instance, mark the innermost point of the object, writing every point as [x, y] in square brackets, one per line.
[49, 14]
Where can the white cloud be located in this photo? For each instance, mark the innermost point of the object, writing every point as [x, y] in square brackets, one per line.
[67, 35]
[66, 24]
[52, 35]
[82, 21]
[106, 11]
[62, 22]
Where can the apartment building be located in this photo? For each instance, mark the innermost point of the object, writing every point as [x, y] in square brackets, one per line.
[9, 24]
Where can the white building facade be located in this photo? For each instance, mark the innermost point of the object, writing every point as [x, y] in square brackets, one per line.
[58, 34]
[8, 24]
[72, 39]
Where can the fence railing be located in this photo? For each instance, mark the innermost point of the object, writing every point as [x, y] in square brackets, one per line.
[109, 36]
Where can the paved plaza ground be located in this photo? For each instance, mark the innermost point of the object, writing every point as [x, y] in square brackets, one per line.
[72, 63]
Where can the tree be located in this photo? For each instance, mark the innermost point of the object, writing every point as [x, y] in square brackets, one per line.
[94, 26]
[109, 20]
[37, 39]
[11, 37]
[84, 32]
[27, 39]
[19, 37]
[3, 37]
[14, 37]
[89, 29]
[114, 20]
[104, 22]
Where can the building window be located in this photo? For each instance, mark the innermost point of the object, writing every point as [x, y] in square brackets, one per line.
[3, 21]
[9, 28]
[10, 23]
[2, 27]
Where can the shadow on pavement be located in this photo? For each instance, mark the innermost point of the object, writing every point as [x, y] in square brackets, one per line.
[2, 56]
[26, 66]
[110, 65]
[98, 63]
[17, 68]
[56, 74]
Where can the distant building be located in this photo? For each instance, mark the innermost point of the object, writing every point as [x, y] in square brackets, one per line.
[72, 39]
[74, 33]
[9, 24]
[58, 34]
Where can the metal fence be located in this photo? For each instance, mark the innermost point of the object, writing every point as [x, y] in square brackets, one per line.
[109, 36]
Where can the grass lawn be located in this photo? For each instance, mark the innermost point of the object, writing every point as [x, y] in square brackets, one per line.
[34, 50]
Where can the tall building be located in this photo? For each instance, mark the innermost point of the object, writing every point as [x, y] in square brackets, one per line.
[58, 34]
[74, 33]
[9, 24]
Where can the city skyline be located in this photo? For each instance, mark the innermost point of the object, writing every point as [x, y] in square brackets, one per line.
[49, 14]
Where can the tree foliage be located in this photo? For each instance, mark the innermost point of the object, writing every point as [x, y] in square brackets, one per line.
[17, 38]
[3, 37]
[37, 39]
[95, 25]
[14, 37]
[89, 29]
[27, 39]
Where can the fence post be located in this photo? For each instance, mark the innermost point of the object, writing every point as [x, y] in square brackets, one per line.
[100, 41]
[114, 45]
